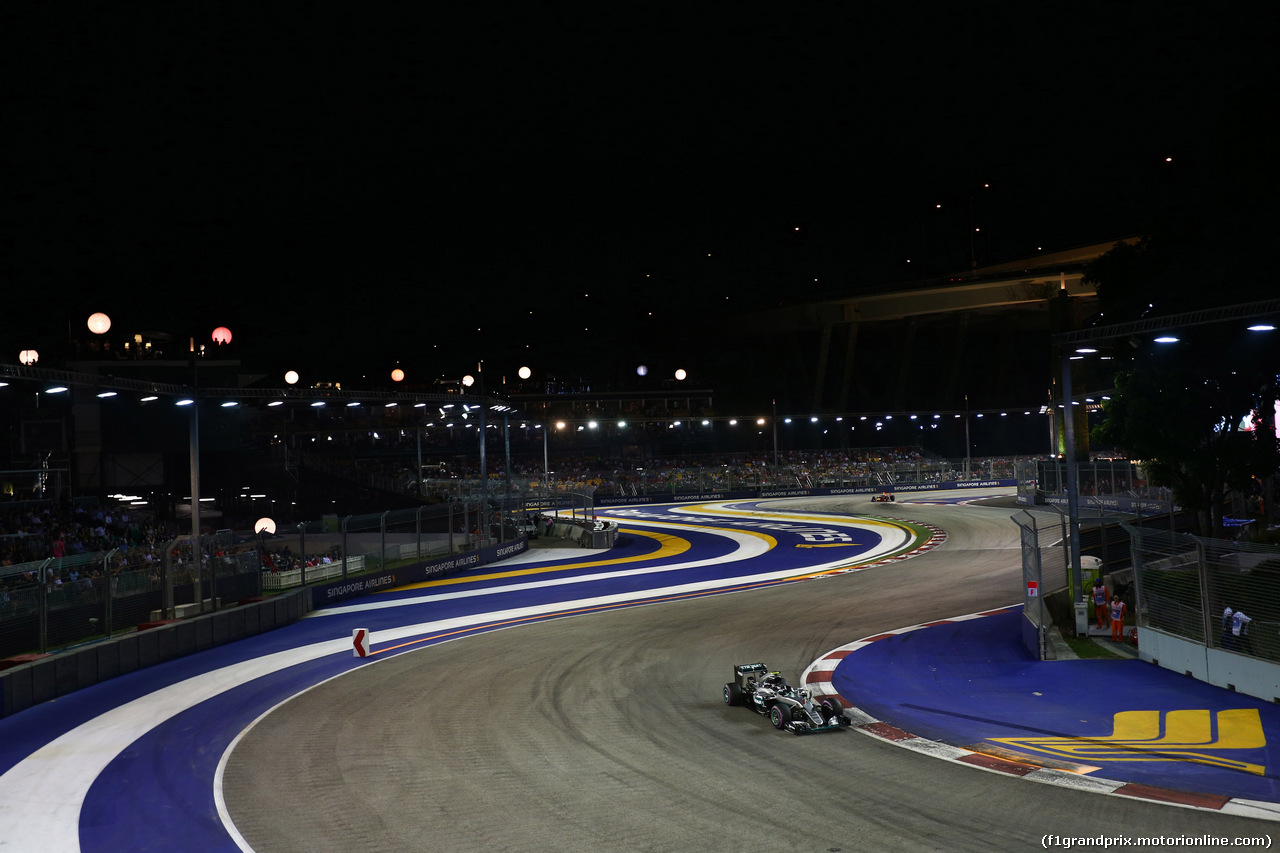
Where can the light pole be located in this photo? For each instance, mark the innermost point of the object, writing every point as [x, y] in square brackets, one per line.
[506, 449]
[263, 527]
[484, 471]
[220, 336]
[418, 477]
[194, 449]
[775, 435]
[468, 381]
[559, 425]
[966, 437]
[1073, 494]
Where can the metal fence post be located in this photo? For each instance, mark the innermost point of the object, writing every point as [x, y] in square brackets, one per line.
[1138, 562]
[1032, 573]
[166, 579]
[417, 532]
[1066, 550]
[502, 520]
[1202, 569]
[382, 530]
[302, 553]
[1106, 554]
[106, 591]
[1040, 585]
[197, 571]
[43, 575]
[213, 546]
[345, 553]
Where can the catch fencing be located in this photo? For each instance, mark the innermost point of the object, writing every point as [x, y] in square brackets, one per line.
[1209, 608]
[1043, 538]
[1112, 485]
[1195, 589]
[837, 471]
[55, 604]
[340, 547]
[1046, 562]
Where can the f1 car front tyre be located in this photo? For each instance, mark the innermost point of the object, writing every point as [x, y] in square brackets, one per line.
[779, 716]
[832, 709]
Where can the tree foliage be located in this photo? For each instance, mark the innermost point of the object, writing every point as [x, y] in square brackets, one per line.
[1185, 428]
[1208, 243]
[1178, 407]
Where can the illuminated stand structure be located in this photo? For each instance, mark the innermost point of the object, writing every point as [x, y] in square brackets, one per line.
[99, 463]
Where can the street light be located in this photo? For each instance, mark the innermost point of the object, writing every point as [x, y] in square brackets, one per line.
[775, 435]
[99, 323]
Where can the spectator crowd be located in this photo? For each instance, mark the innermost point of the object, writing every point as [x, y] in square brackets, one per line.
[34, 533]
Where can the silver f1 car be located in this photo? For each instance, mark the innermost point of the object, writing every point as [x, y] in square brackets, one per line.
[790, 709]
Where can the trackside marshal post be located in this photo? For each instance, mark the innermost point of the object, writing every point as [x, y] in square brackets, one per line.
[360, 639]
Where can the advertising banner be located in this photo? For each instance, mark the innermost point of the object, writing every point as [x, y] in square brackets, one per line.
[754, 494]
[325, 595]
[1117, 503]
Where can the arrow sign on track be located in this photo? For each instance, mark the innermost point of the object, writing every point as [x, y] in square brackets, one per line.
[360, 639]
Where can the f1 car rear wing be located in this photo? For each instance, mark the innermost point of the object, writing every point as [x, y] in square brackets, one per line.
[743, 671]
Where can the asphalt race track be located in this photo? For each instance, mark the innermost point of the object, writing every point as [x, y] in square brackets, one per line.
[606, 731]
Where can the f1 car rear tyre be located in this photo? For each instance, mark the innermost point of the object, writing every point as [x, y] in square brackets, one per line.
[732, 694]
[779, 716]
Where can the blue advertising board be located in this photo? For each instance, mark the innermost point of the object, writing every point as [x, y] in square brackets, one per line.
[747, 494]
[324, 595]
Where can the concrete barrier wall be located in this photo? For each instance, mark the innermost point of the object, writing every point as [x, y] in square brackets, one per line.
[57, 675]
[1241, 673]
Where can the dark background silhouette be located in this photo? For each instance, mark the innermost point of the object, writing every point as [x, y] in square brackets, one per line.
[349, 190]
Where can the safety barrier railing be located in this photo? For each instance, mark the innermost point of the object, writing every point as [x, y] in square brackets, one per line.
[59, 602]
[1195, 588]
[53, 604]
[276, 581]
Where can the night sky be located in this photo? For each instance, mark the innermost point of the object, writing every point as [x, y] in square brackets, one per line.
[352, 189]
